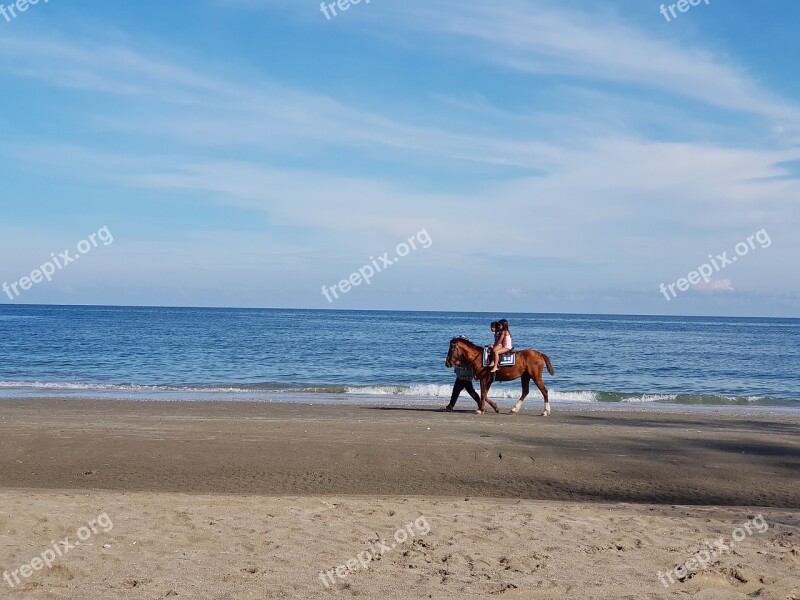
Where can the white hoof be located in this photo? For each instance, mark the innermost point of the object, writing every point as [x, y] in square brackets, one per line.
[546, 411]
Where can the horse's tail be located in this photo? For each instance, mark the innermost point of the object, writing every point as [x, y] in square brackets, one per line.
[549, 364]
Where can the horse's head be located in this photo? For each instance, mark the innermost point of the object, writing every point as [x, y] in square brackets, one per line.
[454, 354]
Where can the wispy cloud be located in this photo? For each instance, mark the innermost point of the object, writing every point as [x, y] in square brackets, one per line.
[542, 38]
[611, 174]
[177, 103]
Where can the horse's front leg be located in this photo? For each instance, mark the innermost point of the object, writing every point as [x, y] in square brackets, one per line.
[486, 383]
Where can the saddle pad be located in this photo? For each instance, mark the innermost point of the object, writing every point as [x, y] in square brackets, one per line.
[506, 360]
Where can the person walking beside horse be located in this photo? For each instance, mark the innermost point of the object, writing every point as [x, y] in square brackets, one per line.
[464, 377]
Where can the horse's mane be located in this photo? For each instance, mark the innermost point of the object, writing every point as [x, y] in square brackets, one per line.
[467, 342]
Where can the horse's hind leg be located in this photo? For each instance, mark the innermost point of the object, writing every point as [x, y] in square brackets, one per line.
[526, 386]
[542, 388]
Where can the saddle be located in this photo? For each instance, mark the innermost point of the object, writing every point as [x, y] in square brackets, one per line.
[509, 359]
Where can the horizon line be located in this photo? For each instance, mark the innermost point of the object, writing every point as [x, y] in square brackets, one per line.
[27, 304]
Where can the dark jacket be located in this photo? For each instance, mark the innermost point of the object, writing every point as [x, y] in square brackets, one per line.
[465, 373]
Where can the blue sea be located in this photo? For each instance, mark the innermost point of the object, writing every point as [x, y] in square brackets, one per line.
[369, 356]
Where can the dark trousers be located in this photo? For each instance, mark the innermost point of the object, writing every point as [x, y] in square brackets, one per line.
[458, 387]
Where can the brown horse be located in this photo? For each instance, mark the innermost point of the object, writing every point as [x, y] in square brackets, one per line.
[529, 365]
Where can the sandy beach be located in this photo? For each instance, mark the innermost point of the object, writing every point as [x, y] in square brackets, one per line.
[254, 500]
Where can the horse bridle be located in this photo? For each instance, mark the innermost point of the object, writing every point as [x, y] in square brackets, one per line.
[455, 355]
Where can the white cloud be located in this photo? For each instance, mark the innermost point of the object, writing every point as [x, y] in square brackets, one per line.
[715, 286]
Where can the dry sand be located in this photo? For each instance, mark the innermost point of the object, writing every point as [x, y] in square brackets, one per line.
[239, 500]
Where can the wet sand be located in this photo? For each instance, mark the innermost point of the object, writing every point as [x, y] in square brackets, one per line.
[244, 448]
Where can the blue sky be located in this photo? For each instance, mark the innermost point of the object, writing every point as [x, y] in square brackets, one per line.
[563, 156]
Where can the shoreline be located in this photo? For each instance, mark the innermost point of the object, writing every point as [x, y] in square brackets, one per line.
[531, 404]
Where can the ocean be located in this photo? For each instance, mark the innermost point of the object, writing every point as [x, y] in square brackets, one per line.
[387, 356]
